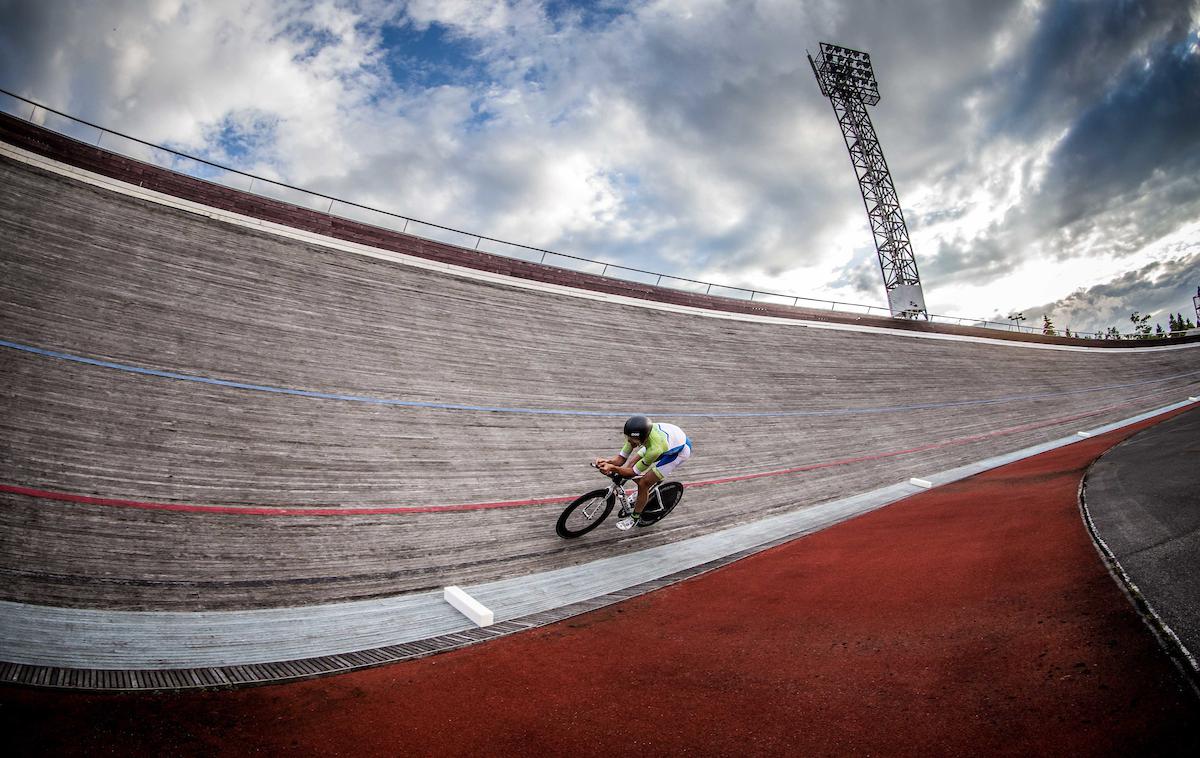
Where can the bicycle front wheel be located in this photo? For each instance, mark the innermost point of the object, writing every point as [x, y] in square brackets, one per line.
[585, 514]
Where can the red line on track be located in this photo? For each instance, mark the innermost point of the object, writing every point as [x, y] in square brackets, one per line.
[251, 510]
[254, 510]
[922, 448]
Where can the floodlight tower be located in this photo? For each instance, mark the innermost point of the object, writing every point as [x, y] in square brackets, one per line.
[1196, 305]
[847, 79]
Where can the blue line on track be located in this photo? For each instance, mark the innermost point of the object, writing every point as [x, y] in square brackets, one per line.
[562, 412]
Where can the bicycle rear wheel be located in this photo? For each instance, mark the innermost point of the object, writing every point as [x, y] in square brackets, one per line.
[670, 493]
[585, 514]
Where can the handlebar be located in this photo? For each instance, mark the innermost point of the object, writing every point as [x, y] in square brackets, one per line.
[615, 477]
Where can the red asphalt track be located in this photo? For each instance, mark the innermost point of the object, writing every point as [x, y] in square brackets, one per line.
[974, 619]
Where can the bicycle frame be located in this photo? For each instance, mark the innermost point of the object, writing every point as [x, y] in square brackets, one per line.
[627, 503]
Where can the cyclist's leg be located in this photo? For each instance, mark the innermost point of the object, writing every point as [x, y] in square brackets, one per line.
[657, 474]
[645, 483]
[673, 465]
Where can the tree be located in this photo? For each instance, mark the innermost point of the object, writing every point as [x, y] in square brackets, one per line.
[1180, 324]
[1141, 325]
[1048, 326]
[1158, 331]
[1067, 332]
[1112, 334]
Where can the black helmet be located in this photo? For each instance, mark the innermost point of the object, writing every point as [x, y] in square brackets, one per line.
[638, 428]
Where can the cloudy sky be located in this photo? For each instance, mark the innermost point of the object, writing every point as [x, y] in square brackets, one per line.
[1046, 153]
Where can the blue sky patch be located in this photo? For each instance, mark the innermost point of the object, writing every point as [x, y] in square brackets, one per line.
[431, 57]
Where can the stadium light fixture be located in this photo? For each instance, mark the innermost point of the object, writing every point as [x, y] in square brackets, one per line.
[847, 78]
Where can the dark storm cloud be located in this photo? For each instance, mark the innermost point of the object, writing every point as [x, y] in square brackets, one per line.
[1148, 124]
[861, 273]
[1160, 289]
[936, 216]
[28, 32]
[930, 59]
[1077, 47]
[984, 257]
[1121, 82]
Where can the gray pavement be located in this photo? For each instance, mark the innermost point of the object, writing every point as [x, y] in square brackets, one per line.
[1144, 501]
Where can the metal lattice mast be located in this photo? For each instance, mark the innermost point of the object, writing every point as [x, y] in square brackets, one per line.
[1196, 304]
[847, 79]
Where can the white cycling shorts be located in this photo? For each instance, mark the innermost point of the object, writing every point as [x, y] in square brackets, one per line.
[668, 462]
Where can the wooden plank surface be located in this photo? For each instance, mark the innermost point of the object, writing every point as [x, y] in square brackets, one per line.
[28, 136]
[95, 274]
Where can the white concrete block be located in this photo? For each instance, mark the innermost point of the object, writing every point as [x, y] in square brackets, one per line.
[1194, 399]
[921, 482]
[469, 606]
[1084, 434]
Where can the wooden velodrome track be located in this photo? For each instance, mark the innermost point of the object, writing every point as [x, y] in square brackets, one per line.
[447, 390]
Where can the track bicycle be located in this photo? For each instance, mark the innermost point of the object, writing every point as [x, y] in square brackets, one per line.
[587, 511]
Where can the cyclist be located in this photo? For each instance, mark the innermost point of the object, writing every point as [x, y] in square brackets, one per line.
[651, 452]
